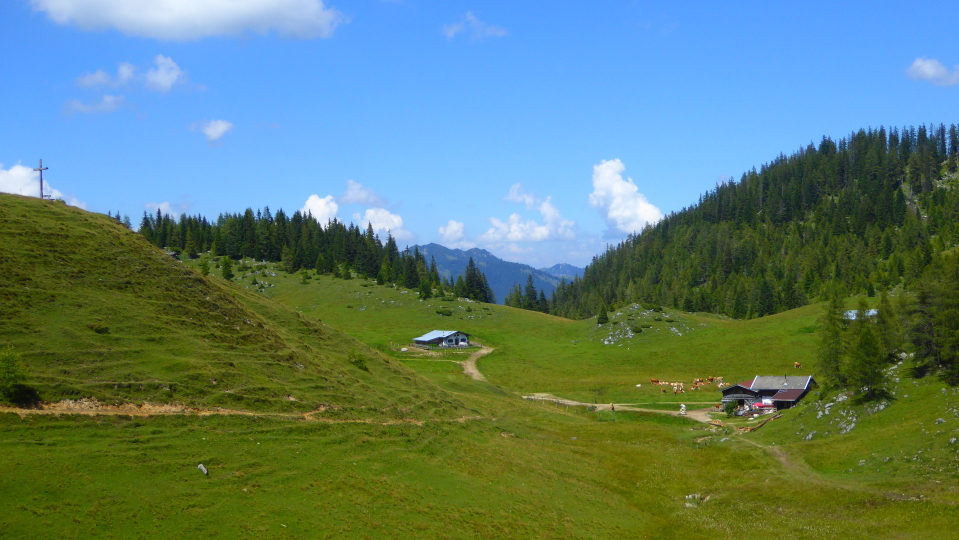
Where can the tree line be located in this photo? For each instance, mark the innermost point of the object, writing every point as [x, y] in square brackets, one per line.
[866, 213]
[301, 242]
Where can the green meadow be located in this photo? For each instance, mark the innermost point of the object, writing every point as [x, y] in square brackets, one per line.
[403, 444]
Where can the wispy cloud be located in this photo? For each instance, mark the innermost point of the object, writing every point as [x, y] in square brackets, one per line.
[933, 71]
[478, 29]
[107, 104]
[162, 77]
[213, 129]
[182, 20]
[357, 193]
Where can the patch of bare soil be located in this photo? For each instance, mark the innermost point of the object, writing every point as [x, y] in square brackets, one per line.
[700, 415]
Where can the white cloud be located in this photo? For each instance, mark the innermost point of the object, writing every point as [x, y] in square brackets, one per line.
[181, 20]
[453, 235]
[165, 208]
[22, 180]
[213, 129]
[356, 193]
[516, 194]
[323, 210]
[517, 229]
[107, 104]
[619, 201]
[932, 70]
[478, 29]
[164, 75]
[126, 73]
[384, 222]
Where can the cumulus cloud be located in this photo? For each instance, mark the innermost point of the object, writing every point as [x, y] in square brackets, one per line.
[478, 29]
[383, 221]
[22, 180]
[357, 193]
[619, 201]
[181, 20]
[453, 235]
[126, 73]
[164, 75]
[323, 210]
[518, 229]
[107, 104]
[932, 70]
[166, 209]
[213, 129]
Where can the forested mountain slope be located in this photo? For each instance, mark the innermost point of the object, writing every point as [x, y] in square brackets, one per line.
[95, 311]
[868, 212]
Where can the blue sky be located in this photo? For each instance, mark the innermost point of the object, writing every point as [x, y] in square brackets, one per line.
[538, 131]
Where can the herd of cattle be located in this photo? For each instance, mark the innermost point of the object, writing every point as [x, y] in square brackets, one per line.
[680, 388]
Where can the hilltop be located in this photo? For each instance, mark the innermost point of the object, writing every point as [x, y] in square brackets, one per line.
[95, 311]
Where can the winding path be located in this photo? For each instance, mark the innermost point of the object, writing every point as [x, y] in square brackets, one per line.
[469, 365]
[700, 415]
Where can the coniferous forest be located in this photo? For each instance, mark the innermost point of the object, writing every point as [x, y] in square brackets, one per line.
[869, 212]
[300, 242]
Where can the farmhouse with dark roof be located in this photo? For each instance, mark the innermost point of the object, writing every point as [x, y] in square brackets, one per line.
[769, 391]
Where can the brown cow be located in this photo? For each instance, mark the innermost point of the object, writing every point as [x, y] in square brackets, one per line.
[654, 381]
[797, 365]
[663, 389]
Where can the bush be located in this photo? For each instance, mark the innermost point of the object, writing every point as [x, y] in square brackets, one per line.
[13, 375]
[637, 330]
[657, 319]
[445, 312]
[730, 408]
[645, 326]
[669, 320]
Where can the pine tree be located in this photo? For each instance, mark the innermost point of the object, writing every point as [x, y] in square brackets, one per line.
[602, 317]
[865, 358]
[226, 268]
[830, 351]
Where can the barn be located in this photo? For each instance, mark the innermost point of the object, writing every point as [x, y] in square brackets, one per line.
[444, 338]
[770, 391]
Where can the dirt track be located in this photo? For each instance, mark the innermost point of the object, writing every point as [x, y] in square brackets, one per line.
[700, 415]
[92, 407]
[469, 365]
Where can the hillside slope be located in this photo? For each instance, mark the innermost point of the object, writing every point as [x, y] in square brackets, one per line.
[96, 311]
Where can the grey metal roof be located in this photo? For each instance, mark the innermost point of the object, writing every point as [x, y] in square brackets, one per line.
[781, 382]
[852, 314]
[437, 334]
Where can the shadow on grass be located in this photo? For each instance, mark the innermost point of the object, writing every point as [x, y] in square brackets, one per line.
[23, 396]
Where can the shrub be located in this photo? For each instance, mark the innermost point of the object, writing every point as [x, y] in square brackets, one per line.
[637, 330]
[645, 326]
[669, 320]
[358, 361]
[730, 408]
[446, 312]
[657, 319]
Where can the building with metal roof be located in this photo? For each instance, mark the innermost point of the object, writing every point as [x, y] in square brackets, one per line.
[780, 392]
[444, 338]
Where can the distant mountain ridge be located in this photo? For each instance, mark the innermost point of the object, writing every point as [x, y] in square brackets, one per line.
[564, 270]
[501, 275]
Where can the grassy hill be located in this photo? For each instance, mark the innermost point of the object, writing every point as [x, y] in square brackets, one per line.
[96, 311]
[477, 463]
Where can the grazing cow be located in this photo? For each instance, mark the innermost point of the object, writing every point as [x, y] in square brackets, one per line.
[663, 389]
[718, 379]
[710, 379]
[654, 381]
[797, 365]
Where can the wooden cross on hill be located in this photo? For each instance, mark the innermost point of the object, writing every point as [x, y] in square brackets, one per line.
[40, 169]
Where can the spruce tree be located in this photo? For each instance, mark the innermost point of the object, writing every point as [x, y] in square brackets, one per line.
[830, 351]
[226, 268]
